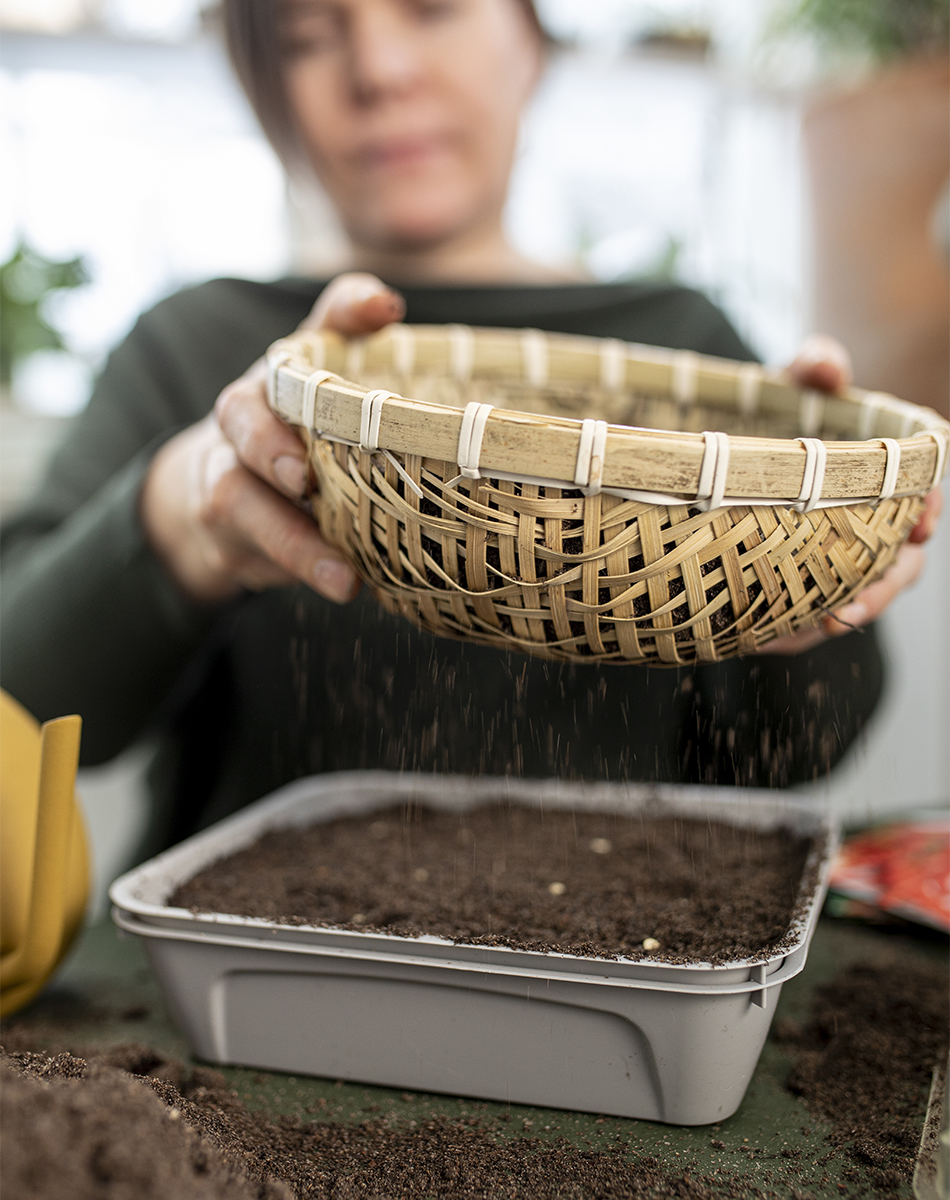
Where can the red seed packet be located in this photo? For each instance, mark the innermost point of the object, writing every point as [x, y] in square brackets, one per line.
[903, 868]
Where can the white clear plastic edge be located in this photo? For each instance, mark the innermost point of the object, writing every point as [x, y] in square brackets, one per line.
[139, 907]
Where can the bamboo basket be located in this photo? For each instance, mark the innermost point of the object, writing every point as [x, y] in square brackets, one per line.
[588, 499]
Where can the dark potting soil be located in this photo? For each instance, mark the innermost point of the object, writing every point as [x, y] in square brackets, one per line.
[507, 875]
[134, 1125]
[866, 1057]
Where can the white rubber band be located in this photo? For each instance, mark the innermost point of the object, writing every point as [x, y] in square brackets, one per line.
[274, 363]
[591, 452]
[404, 349]
[684, 384]
[891, 467]
[308, 408]
[811, 409]
[871, 406]
[813, 476]
[370, 416]
[318, 351]
[909, 416]
[713, 471]
[355, 354]
[534, 354]
[474, 419]
[462, 352]
[748, 388]
[941, 439]
[613, 364]
[404, 474]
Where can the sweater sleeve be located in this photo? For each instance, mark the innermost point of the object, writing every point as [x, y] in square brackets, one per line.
[91, 622]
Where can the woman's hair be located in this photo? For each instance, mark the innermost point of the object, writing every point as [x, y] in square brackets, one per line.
[252, 38]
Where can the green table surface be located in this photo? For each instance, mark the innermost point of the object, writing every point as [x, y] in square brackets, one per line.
[106, 995]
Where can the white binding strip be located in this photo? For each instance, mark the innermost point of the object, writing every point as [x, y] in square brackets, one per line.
[404, 349]
[684, 383]
[370, 415]
[355, 354]
[474, 419]
[613, 364]
[308, 408]
[318, 351]
[404, 474]
[813, 476]
[748, 388]
[891, 467]
[591, 452]
[908, 414]
[941, 439]
[711, 491]
[811, 409]
[871, 405]
[534, 354]
[275, 361]
[462, 352]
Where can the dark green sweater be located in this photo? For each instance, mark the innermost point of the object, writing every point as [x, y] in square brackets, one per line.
[284, 683]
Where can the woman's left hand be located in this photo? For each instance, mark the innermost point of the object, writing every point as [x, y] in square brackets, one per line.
[823, 363]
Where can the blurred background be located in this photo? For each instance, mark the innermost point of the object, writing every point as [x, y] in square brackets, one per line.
[787, 157]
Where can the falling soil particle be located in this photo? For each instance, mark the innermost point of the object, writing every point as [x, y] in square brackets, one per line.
[578, 883]
[865, 1061]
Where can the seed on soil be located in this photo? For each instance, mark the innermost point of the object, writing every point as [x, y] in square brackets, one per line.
[748, 879]
[650, 944]
[601, 845]
[420, 874]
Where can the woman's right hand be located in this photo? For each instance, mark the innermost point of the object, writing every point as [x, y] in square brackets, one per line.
[222, 501]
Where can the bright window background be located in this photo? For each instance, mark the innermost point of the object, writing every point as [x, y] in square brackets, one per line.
[124, 139]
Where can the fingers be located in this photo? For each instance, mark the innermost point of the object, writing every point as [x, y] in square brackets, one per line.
[904, 571]
[263, 540]
[795, 643]
[871, 603]
[822, 363]
[926, 526]
[355, 304]
[266, 446]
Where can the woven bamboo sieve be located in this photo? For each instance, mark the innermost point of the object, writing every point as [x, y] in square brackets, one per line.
[586, 499]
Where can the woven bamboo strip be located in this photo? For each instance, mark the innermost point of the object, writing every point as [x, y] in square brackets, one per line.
[639, 569]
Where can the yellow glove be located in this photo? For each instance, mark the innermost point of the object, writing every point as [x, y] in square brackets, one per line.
[44, 862]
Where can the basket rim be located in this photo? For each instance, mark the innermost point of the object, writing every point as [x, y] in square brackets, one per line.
[903, 452]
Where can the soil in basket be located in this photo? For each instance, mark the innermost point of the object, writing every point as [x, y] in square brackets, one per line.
[580, 883]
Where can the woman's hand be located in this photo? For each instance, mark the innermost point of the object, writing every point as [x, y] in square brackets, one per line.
[823, 363]
[222, 501]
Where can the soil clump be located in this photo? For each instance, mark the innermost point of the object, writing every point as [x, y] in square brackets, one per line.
[865, 1059]
[134, 1125]
[506, 875]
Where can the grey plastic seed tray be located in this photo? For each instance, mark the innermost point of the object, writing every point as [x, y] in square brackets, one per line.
[644, 1039]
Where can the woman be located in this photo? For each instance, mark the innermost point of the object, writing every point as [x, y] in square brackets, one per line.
[167, 575]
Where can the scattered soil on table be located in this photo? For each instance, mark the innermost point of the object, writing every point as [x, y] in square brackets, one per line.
[134, 1125]
[866, 1058]
[506, 875]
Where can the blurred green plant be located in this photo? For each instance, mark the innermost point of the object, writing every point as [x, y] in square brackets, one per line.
[27, 279]
[885, 29]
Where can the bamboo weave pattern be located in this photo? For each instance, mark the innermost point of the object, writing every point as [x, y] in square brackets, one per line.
[563, 563]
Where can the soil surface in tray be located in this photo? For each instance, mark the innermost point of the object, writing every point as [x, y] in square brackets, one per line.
[580, 883]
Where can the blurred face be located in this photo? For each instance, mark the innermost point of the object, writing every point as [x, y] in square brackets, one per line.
[408, 109]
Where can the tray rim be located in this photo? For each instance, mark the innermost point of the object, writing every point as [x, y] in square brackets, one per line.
[173, 866]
